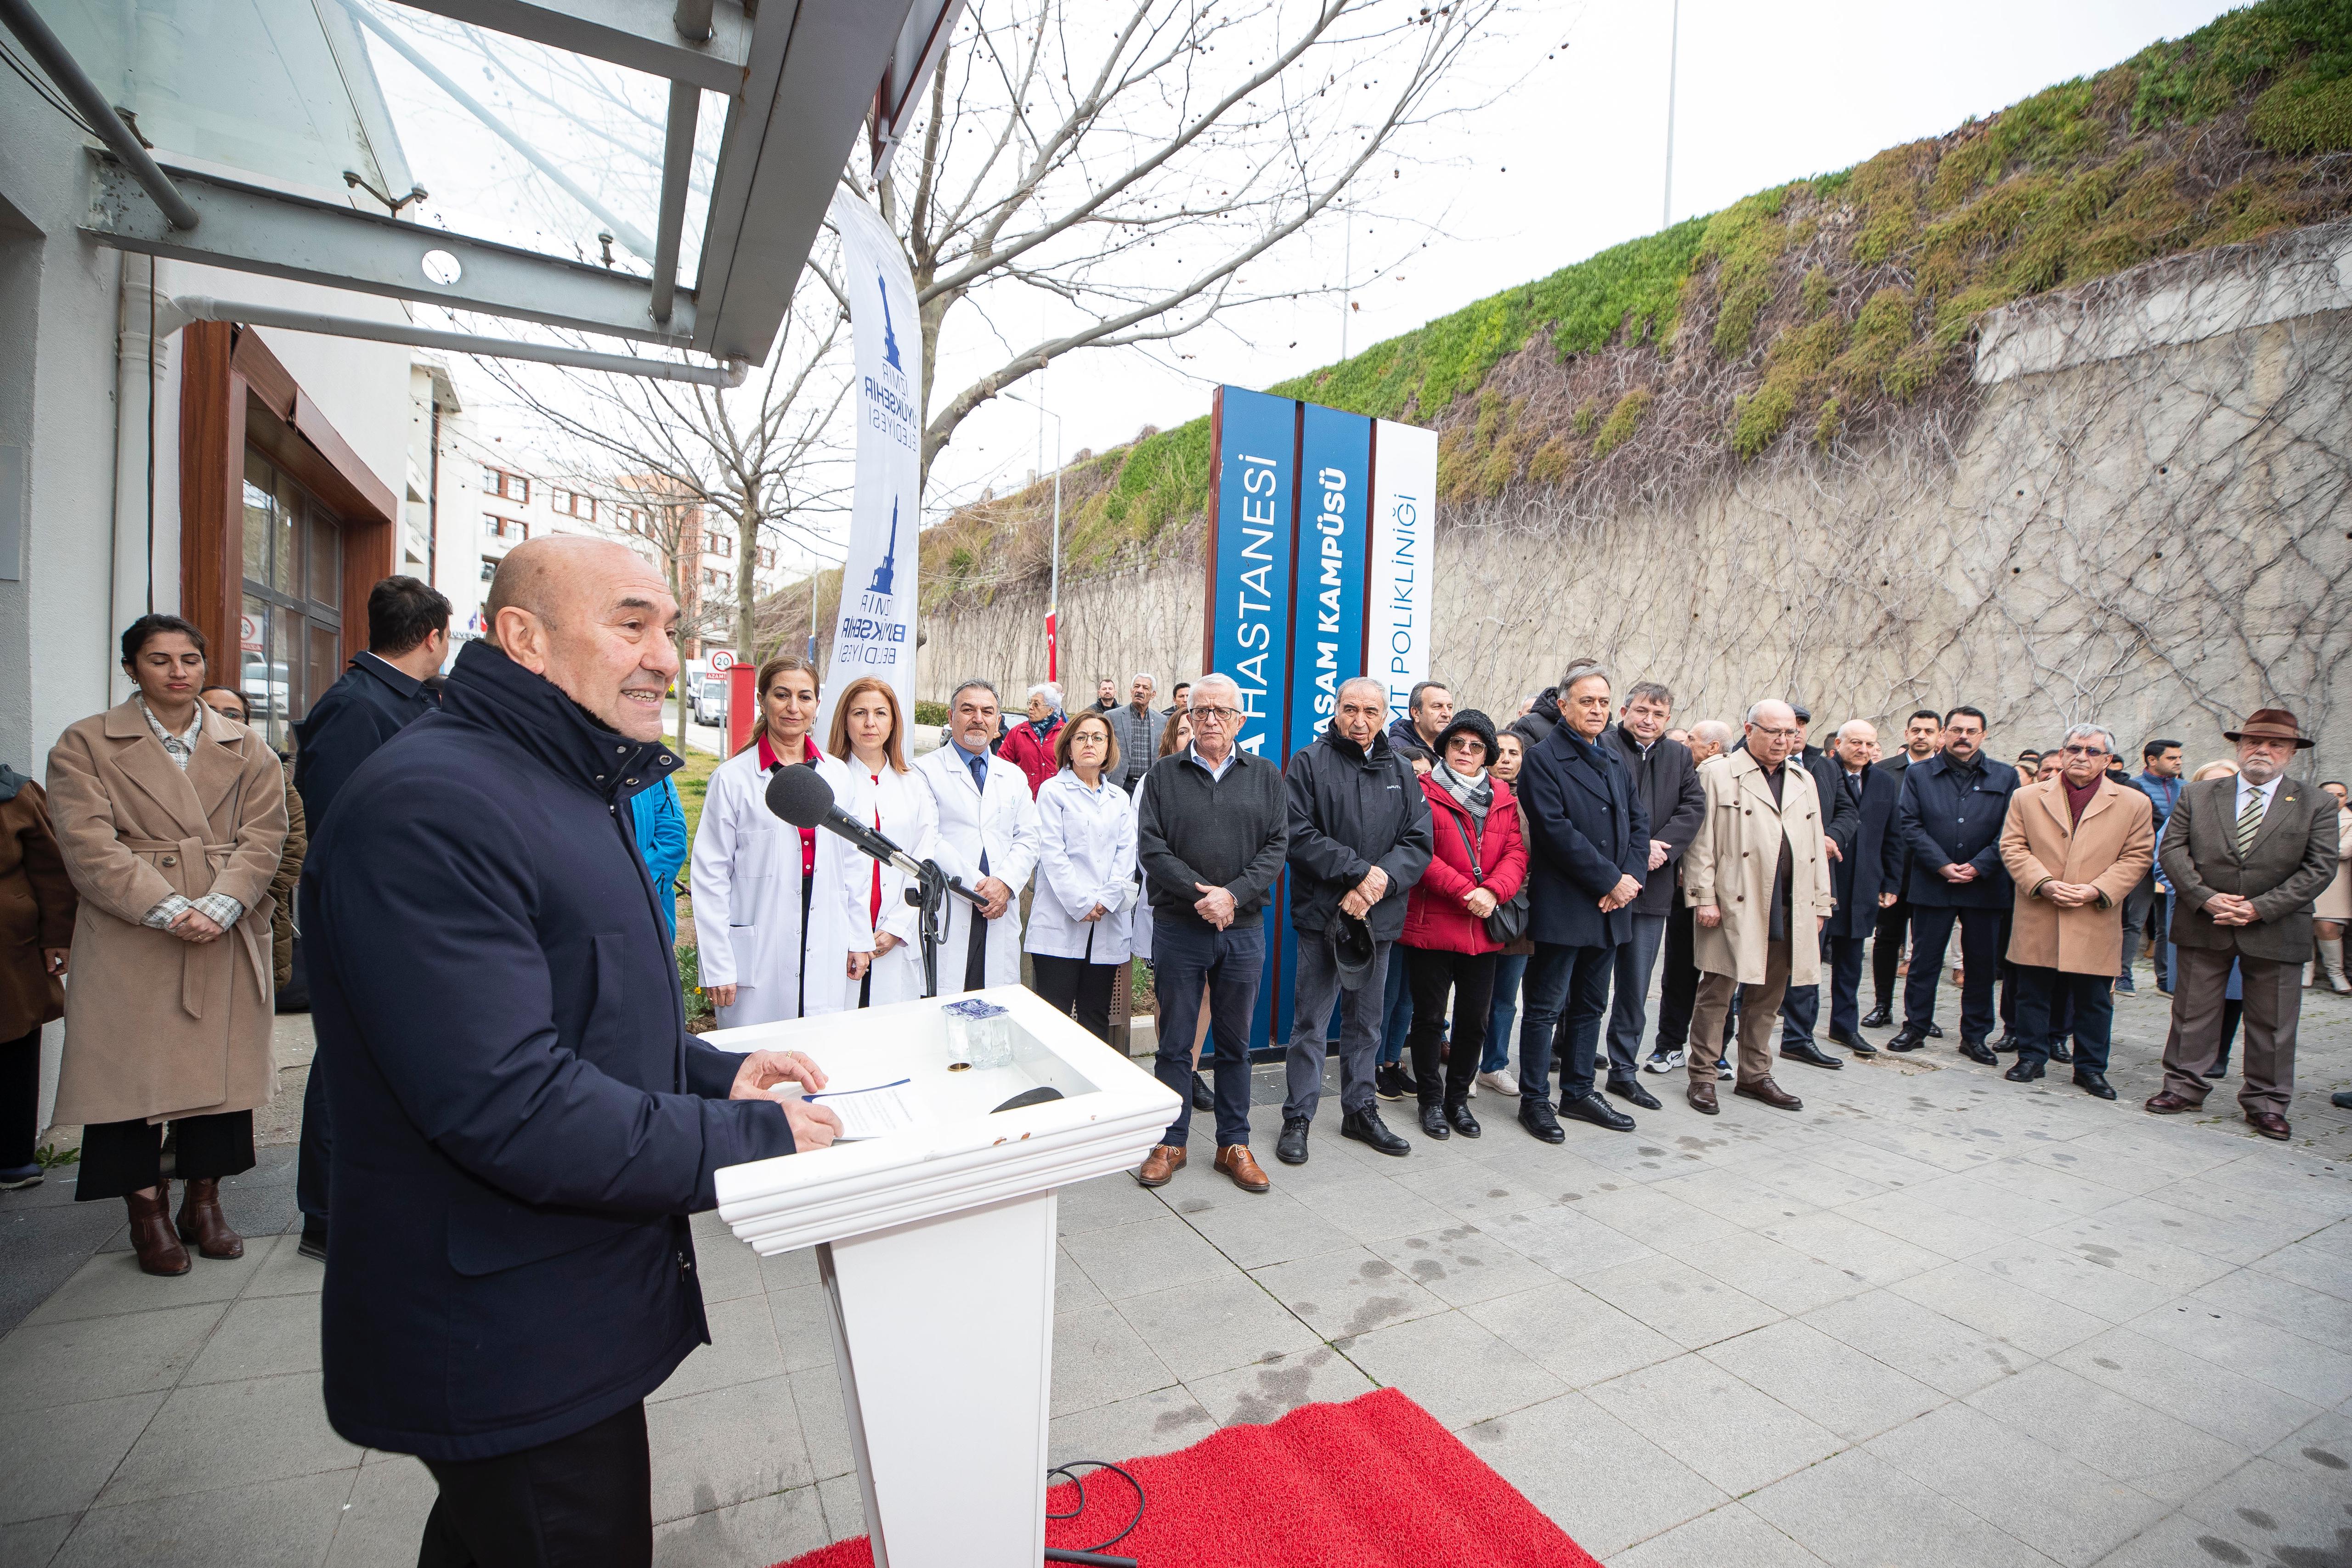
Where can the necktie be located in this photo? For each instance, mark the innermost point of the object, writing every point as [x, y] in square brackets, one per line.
[1854, 787]
[978, 766]
[2249, 821]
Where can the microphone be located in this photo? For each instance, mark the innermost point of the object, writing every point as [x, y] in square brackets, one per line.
[801, 797]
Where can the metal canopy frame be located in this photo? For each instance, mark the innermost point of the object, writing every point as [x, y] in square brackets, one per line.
[796, 75]
[245, 228]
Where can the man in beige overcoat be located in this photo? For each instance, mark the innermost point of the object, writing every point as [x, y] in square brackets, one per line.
[170, 819]
[1756, 874]
[2075, 845]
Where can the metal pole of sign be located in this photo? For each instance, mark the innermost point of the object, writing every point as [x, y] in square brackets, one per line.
[1054, 581]
[1674, 43]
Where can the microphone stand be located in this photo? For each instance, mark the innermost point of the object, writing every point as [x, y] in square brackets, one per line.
[929, 894]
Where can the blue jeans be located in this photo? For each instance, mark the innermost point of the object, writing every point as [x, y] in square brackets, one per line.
[1567, 996]
[1396, 1017]
[2043, 995]
[1185, 955]
[1508, 969]
[1801, 1009]
[1629, 1011]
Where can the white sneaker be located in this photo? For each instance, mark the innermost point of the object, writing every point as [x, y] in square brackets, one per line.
[1502, 1082]
[1722, 1069]
[1664, 1061]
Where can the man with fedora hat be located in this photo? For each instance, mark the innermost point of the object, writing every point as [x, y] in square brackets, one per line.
[1359, 838]
[2247, 856]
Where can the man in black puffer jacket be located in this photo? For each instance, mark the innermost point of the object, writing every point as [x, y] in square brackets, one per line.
[1358, 840]
[522, 1123]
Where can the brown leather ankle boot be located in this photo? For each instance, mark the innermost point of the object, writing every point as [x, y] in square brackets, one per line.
[159, 1250]
[202, 1221]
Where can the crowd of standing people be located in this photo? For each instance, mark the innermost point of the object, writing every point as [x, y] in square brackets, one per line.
[1476, 907]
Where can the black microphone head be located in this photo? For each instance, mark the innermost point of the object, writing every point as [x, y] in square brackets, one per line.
[800, 795]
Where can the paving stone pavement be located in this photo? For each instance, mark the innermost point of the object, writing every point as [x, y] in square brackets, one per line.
[1934, 1318]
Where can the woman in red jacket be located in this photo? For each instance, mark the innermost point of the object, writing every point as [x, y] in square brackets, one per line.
[1479, 862]
[1030, 746]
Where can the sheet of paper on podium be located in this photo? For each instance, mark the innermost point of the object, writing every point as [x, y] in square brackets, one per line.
[871, 1112]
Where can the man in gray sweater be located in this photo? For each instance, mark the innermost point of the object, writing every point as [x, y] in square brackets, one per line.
[1210, 835]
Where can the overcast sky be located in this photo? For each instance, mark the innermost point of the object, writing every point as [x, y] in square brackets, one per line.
[1574, 162]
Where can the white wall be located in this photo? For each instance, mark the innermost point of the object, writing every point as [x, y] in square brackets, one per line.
[83, 577]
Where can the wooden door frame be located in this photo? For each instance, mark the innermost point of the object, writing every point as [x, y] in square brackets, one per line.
[236, 394]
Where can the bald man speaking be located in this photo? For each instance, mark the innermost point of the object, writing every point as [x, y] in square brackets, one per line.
[522, 1122]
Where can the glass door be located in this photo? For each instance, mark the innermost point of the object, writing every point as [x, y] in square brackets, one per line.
[291, 633]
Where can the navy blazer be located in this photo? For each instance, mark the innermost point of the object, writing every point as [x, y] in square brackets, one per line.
[1585, 828]
[521, 1122]
[368, 706]
[1951, 818]
[1873, 858]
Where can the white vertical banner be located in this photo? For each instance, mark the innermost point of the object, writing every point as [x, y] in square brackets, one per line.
[1397, 601]
[874, 633]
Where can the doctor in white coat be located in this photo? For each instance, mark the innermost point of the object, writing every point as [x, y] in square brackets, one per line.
[780, 927]
[1078, 923]
[988, 837]
[869, 734]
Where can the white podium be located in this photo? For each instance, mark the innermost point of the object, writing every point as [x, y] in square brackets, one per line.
[936, 1246]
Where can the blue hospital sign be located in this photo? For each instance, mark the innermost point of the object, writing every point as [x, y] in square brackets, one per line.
[1319, 571]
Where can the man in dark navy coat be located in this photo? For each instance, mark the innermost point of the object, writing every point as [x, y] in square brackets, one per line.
[382, 692]
[522, 1123]
[1589, 849]
[1863, 879]
[1950, 817]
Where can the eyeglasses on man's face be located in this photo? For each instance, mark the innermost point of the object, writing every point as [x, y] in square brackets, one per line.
[1215, 714]
[1789, 734]
[2086, 750]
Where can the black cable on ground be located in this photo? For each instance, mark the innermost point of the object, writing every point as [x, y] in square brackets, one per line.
[1094, 1555]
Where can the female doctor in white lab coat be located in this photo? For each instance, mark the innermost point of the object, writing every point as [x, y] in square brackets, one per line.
[869, 734]
[1086, 875]
[779, 927]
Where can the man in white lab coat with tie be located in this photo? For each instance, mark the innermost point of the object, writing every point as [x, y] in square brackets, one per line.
[988, 837]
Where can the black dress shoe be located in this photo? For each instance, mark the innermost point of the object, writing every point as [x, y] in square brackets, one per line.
[2061, 1055]
[1934, 1029]
[2091, 1082]
[1631, 1089]
[1203, 1100]
[1592, 1108]
[314, 1240]
[2008, 1041]
[1458, 1118]
[1432, 1122]
[1852, 1042]
[1536, 1116]
[1366, 1128]
[1812, 1055]
[2027, 1069]
[1878, 1017]
[1977, 1050]
[1906, 1038]
[1291, 1147]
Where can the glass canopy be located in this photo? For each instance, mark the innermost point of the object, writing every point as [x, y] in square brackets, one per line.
[652, 170]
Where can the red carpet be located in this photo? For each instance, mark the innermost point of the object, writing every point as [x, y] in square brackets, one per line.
[1373, 1483]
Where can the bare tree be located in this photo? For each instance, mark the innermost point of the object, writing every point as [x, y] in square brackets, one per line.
[761, 464]
[1128, 167]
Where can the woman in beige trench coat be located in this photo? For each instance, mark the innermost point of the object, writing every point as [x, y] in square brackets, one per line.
[170, 819]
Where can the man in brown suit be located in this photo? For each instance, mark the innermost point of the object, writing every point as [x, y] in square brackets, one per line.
[2247, 856]
[2075, 845]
